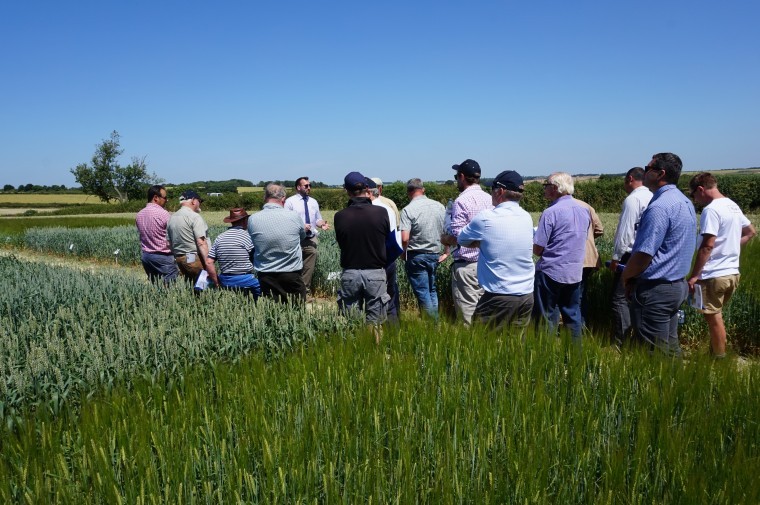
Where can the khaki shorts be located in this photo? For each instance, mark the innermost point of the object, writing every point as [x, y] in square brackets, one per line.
[716, 292]
[190, 271]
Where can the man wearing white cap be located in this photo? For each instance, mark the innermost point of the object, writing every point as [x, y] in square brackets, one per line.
[384, 200]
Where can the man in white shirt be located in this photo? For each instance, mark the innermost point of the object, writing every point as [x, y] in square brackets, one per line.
[633, 206]
[724, 229]
[308, 208]
[393, 308]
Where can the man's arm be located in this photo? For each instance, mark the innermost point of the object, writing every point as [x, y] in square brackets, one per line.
[596, 223]
[211, 270]
[636, 265]
[202, 245]
[404, 242]
[703, 254]
[538, 250]
[747, 233]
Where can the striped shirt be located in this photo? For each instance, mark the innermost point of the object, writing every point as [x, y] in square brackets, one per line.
[151, 225]
[232, 251]
[468, 205]
[667, 233]
[276, 234]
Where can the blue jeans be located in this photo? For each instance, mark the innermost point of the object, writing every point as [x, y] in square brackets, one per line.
[420, 270]
[552, 298]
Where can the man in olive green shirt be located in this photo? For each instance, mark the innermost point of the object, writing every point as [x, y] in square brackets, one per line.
[187, 234]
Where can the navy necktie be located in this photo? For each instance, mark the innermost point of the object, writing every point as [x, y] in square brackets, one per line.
[306, 209]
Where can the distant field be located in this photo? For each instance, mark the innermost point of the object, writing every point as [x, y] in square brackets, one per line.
[250, 189]
[52, 198]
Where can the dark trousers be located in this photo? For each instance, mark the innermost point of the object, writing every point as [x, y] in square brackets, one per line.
[283, 286]
[500, 311]
[552, 298]
[654, 313]
[393, 306]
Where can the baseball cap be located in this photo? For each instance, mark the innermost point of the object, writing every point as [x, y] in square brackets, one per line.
[510, 180]
[377, 180]
[189, 195]
[468, 167]
[371, 184]
[354, 180]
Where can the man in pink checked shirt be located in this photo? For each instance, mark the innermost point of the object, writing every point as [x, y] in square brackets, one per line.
[465, 288]
[157, 258]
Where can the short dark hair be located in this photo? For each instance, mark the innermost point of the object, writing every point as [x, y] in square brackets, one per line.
[636, 173]
[357, 191]
[704, 179]
[670, 163]
[298, 181]
[155, 191]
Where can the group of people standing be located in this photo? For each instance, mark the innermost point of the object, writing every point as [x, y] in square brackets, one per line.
[492, 242]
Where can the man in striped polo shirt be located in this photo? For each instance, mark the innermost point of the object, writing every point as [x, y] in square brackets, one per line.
[151, 221]
[233, 251]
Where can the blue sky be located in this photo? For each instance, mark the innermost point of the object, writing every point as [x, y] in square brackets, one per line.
[396, 89]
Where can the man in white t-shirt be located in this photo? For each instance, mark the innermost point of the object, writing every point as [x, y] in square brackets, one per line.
[394, 305]
[724, 229]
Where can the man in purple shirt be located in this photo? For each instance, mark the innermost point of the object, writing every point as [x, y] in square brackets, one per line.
[560, 244]
[465, 288]
[157, 259]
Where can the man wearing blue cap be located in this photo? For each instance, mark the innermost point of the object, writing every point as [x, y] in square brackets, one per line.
[506, 272]
[188, 236]
[361, 229]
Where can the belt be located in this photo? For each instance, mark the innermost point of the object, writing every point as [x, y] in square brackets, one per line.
[156, 252]
[655, 282]
[463, 262]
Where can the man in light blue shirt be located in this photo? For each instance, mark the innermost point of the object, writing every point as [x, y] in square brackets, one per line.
[506, 272]
[661, 257]
[277, 234]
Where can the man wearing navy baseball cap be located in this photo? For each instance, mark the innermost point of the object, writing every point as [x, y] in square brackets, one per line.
[465, 288]
[361, 229]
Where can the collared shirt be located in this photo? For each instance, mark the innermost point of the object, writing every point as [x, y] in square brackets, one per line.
[725, 220]
[633, 206]
[232, 251]
[391, 218]
[562, 232]
[151, 224]
[505, 264]
[295, 203]
[467, 205]
[185, 227]
[390, 203]
[667, 233]
[276, 234]
[423, 219]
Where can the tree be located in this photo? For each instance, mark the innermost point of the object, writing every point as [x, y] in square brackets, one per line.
[107, 180]
[8, 187]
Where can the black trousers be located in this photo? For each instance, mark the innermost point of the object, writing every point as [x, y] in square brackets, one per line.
[283, 286]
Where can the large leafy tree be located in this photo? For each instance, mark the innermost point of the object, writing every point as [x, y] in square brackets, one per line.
[108, 180]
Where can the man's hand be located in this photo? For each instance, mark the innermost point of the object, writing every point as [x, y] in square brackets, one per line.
[323, 225]
[691, 282]
[614, 265]
[443, 257]
[449, 240]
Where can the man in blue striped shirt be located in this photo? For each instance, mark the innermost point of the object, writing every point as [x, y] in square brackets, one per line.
[661, 257]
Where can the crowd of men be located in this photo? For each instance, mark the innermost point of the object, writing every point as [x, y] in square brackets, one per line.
[492, 241]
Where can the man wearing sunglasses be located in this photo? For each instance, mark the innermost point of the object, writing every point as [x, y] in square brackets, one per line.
[661, 257]
[308, 208]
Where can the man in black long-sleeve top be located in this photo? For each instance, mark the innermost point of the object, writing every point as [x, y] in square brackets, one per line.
[361, 229]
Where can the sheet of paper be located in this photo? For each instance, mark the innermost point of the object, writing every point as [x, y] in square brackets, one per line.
[695, 300]
[202, 282]
[190, 258]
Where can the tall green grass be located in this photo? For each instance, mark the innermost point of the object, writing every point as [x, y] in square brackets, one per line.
[435, 414]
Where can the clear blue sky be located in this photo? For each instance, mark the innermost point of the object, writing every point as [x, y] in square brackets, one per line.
[394, 89]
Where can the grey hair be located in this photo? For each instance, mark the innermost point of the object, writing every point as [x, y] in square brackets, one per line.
[414, 184]
[374, 192]
[274, 192]
[563, 181]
